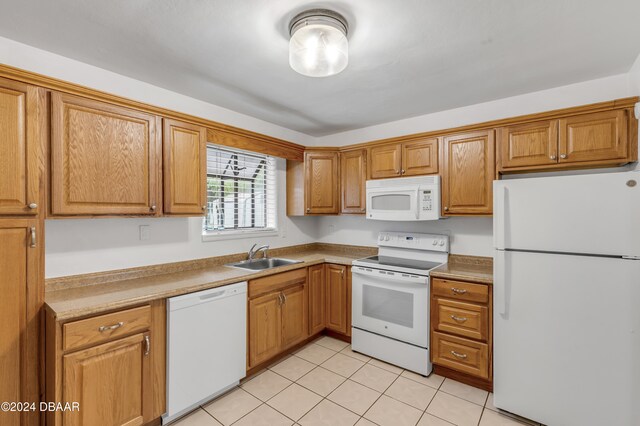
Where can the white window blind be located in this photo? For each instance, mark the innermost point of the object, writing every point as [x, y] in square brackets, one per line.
[241, 191]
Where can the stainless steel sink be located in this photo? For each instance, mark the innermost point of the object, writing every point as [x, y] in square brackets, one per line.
[261, 264]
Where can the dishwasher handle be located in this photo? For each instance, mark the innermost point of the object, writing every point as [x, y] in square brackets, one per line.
[206, 296]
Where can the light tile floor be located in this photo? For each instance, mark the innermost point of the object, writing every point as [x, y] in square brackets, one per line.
[326, 383]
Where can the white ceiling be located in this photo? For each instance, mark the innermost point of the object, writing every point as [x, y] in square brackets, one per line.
[407, 57]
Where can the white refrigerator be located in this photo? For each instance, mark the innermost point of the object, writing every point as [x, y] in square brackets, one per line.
[567, 299]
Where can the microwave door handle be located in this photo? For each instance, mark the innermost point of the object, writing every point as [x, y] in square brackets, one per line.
[417, 203]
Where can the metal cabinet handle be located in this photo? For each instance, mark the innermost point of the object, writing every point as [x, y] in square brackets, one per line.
[553, 157]
[33, 206]
[458, 319]
[363, 209]
[458, 290]
[563, 156]
[147, 345]
[104, 328]
[284, 298]
[204, 208]
[33, 237]
[402, 171]
[280, 302]
[308, 209]
[152, 208]
[457, 355]
[397, 171]
[446, 209]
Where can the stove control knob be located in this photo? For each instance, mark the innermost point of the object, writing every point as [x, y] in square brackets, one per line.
[386, 238]
[434, 242]
[442, 242]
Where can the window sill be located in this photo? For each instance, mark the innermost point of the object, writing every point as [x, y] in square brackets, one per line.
[234, 235]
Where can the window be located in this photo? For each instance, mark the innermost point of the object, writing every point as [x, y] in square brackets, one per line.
[241, 192]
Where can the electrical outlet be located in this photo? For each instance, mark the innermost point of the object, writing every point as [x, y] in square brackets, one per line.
[145, 232]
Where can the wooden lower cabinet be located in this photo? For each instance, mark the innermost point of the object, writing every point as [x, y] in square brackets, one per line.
[294, 315]
[278, 315]
[115, 373]
[111, 383]
[462, 331]
[21, 283]
[317, 298]
[337, 312]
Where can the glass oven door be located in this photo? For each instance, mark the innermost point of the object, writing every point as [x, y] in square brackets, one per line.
[391, 304]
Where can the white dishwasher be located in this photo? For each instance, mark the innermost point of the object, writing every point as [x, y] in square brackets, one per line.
[206, 346]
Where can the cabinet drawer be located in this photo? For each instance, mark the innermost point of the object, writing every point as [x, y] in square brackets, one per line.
[105, 327]
[461, 354]
[463, 319]
[276, 282]
[459, 290]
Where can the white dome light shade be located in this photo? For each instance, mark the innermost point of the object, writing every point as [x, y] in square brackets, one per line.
[318, 45]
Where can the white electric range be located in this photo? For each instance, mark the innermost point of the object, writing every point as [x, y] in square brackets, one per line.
[390, 298]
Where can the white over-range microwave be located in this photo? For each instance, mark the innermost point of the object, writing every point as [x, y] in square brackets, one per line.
[404, 199]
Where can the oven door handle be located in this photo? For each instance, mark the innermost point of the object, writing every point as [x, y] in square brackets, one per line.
[382, 275]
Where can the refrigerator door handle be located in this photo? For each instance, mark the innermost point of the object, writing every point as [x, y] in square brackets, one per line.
[501, 283]
[500, 213]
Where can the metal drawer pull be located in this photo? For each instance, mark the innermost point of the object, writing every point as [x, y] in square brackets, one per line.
[458, 319]
[147, 345]
[458, 290]
[457, 355]
[104, 328]
[34, 241]
[284, 298]
[280, 301]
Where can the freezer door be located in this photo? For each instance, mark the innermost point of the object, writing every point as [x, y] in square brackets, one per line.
[567, 338]
[591, 214]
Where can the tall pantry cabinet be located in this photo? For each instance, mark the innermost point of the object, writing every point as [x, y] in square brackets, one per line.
[22, 136]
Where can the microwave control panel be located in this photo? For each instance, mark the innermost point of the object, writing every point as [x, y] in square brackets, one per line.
[426, 201]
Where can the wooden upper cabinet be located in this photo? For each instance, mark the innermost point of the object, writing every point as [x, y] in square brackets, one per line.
[354, 178]
[322, 182]
[468, 172]
[385, 161]
[337, 294]
[530, 144]
[317, 298]
[104, 158]
[21, 148]
[112, 383]
[594, 137]
[184, 150]
[19, 317]
[420, 157]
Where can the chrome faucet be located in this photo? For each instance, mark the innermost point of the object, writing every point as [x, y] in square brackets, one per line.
[253, 251]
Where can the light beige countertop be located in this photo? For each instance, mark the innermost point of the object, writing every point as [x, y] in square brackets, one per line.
[76, 296]
[466, 268]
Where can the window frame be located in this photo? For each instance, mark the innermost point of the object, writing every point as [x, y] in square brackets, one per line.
[245, 231]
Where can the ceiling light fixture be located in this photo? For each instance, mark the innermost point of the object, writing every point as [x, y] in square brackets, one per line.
[318, 46]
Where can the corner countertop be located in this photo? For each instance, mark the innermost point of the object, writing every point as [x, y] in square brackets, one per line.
[466, 268]
[73, 297]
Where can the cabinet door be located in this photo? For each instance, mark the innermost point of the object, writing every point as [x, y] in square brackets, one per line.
[184, 150]
[336, 316]
[111, 382]
[104, 158]
[265, 328]
[317, 298]
[420, 157]
[385, 161]
[531, 144]
[19, 317]
[354, 178]
[20, 147]
[294, 315]
[469, 169]
[594, 137]
[322, 181]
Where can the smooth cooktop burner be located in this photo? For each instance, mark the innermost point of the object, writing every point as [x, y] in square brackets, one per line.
[382, 261]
